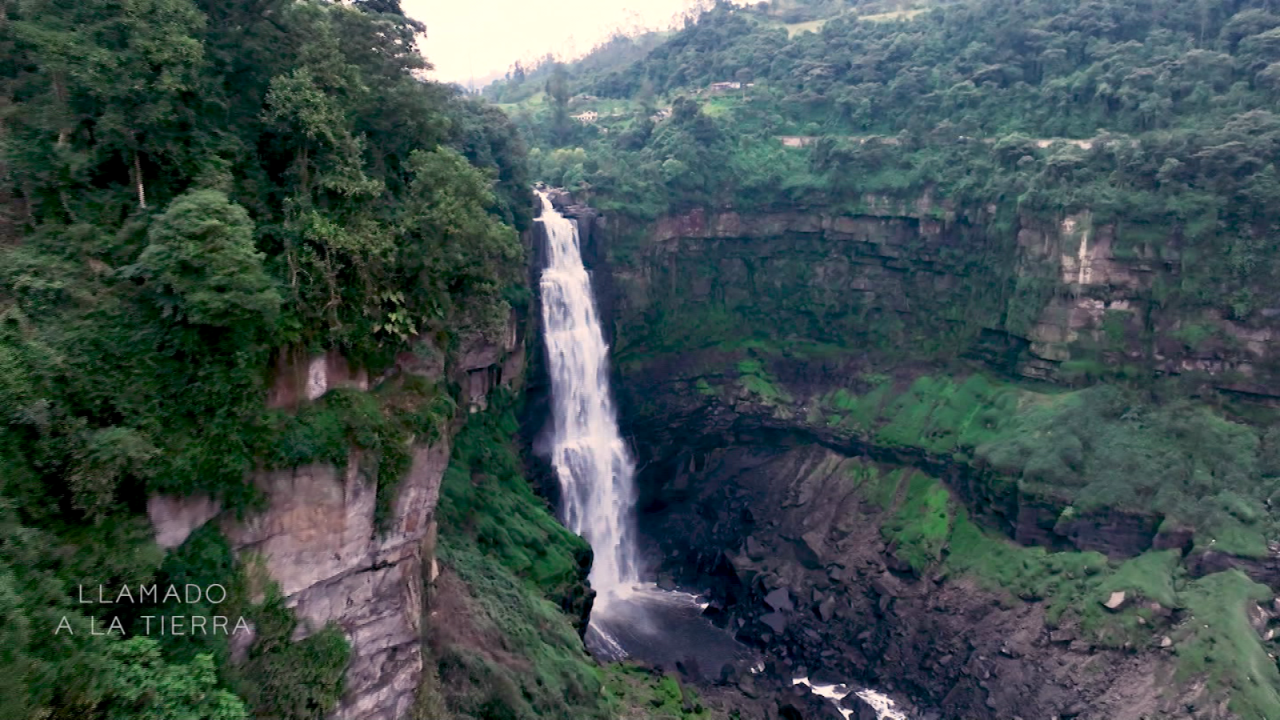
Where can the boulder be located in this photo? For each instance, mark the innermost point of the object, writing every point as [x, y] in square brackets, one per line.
[801, 702]
[776, 621]
[827, 609]
[886, 586]
[859, 708]
[813, 553]
[1115, 601]
[779, 599]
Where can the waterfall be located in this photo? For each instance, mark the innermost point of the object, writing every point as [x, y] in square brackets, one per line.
[597, 485]
[595, 470]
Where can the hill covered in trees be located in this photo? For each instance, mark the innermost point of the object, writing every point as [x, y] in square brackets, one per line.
[186, 189]
[1167, 109]
[1156, 119]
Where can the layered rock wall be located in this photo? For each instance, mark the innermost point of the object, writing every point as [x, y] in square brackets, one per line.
[319, 538]
[794, 545]
[1050, 301]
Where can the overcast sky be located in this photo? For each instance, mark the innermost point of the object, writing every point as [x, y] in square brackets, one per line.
[474, 38]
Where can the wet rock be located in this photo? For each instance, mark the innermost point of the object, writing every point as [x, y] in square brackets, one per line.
[800, 703]
[860, 708]
[744, 569]
[689, 670]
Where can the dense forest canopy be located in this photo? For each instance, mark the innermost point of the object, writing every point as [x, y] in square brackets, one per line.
[186, 188]
[1158, 115]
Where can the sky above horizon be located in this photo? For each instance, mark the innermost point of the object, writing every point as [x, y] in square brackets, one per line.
[476, 39]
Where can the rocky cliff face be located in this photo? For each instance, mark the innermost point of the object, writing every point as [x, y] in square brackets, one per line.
[762, 355]
[1054, 301]
[795, 546]
[319, 537]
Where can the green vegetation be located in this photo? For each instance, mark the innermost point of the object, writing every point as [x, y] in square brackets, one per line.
[513, 653]
[486, 497]
[1214, 640]
[922, 522]
[1101, 447]
[508, 648]
[639, 694]
[941, 415]
[935, 414]
[1001, 116]
[190, 190]
[1218, 642]
[756, 380]
[1104, 447]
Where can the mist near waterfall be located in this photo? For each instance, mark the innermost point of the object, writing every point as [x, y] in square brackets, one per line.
[594, 468]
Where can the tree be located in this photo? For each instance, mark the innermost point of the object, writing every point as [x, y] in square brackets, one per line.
[200, 265]
[457, 258]
[557, 89]
[116, 75]
[145, 687]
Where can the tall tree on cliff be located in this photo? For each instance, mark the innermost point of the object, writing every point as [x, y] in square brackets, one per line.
[558, 93]
[191, 185]
[112, 84]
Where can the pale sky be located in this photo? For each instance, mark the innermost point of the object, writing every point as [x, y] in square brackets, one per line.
[474, 38]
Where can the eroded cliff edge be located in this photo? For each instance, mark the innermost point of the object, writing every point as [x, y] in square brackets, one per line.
[337, 556]
[1062, 301]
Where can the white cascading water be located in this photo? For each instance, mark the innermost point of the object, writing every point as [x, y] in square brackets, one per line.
[595, 470]
[597, 479]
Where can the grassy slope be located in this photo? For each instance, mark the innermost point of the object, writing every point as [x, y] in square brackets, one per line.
[1212, 637]
[1105, 446]
[503, 646]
